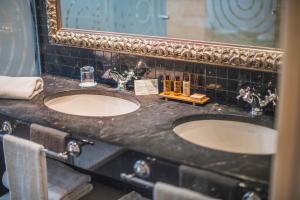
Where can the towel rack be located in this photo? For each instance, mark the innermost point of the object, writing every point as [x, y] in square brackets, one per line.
[131, 178]
[62, 156]
[7, 129]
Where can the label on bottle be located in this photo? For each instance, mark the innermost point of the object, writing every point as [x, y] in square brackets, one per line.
[167, 87]
[186, 89]
[177, 88]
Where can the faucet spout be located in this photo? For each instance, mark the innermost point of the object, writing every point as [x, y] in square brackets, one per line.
[124, 77]
[257, 104]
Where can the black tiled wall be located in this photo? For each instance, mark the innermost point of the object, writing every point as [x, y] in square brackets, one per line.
[220, 83]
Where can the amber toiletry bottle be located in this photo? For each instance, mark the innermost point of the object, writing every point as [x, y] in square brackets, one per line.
[167, 85]
[186, 86]
[177, 86]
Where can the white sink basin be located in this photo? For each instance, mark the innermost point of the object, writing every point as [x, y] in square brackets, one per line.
[230, 136]
[92, 105]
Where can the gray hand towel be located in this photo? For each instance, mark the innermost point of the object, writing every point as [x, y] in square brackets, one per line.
[5, 180]
[164, 191]
[63, 180]
[26, 169]
[201, 180]
[20, 87]
[65, 192]
[50, 138]
[79, 192]
[5, 197]
[133, 196]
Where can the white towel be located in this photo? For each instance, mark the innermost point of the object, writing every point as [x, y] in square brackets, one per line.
[26, 169]
[20, 87]
[64, 182]
[163, 191]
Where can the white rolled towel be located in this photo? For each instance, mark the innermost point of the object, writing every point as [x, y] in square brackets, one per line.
[20, 87]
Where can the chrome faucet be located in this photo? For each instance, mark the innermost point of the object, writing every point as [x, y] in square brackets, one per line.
[123, 78]
[255, 100]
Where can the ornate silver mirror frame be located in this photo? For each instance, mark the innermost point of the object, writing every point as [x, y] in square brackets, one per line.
[255, 58]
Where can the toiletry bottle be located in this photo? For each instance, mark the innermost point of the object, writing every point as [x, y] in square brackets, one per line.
[186, 86]
[177, 86]
[167, 85]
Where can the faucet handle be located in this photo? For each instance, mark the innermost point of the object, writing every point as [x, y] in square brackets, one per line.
[272, 97]
[74, 146]
[244, 93]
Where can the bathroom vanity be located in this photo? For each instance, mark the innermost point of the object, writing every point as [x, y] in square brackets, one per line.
[143, 141]
[228, 50]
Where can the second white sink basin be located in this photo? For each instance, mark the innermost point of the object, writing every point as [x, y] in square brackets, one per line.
[93, 105]
[230, 136]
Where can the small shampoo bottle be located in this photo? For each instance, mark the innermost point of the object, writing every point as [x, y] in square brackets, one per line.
[186, 86]
[177, 86]
[167, 85]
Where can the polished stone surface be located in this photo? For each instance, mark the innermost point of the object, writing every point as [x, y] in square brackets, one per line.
[148, 130]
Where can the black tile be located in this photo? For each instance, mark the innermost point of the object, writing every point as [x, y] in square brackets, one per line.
[67, 70]
[92, 55]
[233, 73]
[65, 60]
[51, 49]
[198, 90]
[269, 77]
[256, 76]
[98, 74]
[232, 98]
[63, 51]
[49, 58]
[211, 70]
[221, 96]
[170, 66]
[116, 60]
[92, 62]
[193, 79]
[84, 53]
[211, 82]
[99, 65]
[221, 84]
[160, 63]
[151, 62]
[233, 85]
[211, 94]
[74, 52]
[245, 75]
[107, 57]
[222, 72]
[200, 69]
[82, 62]
[201, 81]
[178, 66]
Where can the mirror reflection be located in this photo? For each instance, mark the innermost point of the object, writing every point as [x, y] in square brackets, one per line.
[246, 22]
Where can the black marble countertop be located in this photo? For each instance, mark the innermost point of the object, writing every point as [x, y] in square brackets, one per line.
[148, 130]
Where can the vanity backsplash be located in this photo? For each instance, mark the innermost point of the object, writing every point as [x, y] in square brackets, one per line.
[221, 84]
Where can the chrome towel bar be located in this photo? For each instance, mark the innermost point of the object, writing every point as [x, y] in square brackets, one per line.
[73, 146]
[7, 129]
[61, 156]
[131, 178]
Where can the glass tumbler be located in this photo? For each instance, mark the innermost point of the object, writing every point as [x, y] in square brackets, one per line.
[87, 77]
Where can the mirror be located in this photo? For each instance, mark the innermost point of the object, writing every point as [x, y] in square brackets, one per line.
[245, 22]
[233, 33]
